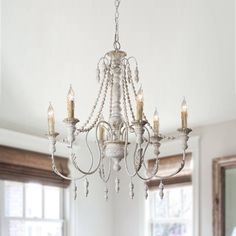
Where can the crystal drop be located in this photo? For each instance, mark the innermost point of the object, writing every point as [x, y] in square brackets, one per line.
[117, 185]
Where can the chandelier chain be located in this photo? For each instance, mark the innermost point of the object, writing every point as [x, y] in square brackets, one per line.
[129, 100]
[111, 95]
[117, 14]
[124, 101]
[94, 107]
[99, 111]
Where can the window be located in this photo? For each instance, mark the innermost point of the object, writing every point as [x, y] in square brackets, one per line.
[29, 209]
[171, 216]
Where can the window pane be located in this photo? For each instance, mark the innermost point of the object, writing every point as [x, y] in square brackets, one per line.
[175, 202]
[171, 229]
[34, 228]
[15, 228]
[13, 199]
[52, 202]
[33, 200]
[161, 206]
[171, 216]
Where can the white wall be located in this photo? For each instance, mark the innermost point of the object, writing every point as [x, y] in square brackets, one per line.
[87, 216]
[215, 141]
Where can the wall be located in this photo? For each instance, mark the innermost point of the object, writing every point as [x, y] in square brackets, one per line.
[90, 216]
[215, 141]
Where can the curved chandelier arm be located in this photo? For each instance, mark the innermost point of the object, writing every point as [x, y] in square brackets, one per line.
[57, 172]
[73, 158]
[182, 164]
[126, 153]
[101, 154]
[141, 152]
[105, 61]
[156, 166]
[134, 59]
[104, 178]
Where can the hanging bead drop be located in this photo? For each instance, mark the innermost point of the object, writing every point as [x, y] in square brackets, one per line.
[117, 185]
[86, 186]
[146, 191]
[106, 193]
[131, 190]
[161, 188]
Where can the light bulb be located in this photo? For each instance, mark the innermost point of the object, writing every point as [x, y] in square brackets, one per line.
[71, 94]
[155, 116]
[184, 107]
[50, 111]
[140, 94]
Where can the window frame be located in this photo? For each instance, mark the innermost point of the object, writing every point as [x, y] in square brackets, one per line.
[5, 219]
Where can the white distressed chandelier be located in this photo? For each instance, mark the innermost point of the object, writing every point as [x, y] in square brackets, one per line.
[117, 78]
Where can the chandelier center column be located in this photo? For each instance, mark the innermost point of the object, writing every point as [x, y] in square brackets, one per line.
[116, 118]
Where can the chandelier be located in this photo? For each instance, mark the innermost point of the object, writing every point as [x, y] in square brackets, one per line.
[117, 75]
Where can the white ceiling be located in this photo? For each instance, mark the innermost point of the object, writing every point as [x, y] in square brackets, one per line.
[184, 47]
